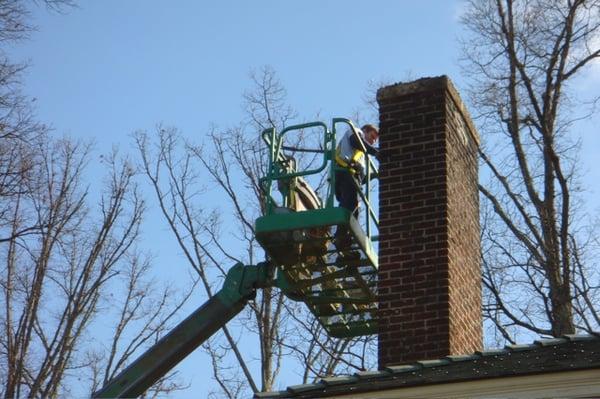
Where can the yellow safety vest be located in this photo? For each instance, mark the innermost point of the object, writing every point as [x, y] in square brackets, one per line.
[345, 160]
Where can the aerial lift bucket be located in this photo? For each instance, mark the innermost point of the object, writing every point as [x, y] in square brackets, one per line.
[337, 284]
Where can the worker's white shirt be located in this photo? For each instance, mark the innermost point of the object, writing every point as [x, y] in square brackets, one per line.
[345, 149]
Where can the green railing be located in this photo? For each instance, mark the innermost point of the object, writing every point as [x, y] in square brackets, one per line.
[282, 168]
[278, 170]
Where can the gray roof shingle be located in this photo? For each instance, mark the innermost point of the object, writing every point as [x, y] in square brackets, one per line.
[571, 352]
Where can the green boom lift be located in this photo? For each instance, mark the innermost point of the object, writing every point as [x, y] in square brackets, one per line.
[338, 285]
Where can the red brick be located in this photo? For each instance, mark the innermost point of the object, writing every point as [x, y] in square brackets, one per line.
[429, 224]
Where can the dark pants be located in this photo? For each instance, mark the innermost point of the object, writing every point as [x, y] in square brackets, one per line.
[347, 195]
[345, 191]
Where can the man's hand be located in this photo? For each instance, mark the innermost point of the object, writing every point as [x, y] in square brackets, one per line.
[359, 171]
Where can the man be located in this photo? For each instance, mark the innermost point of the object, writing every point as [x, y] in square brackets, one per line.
[350, 156]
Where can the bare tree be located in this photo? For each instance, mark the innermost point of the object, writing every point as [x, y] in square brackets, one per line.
[53, 272]
[20, 133]
[62, 257]
[145, 312]
[522, 57]
[61, 260]
[174, 173]
[232, 162]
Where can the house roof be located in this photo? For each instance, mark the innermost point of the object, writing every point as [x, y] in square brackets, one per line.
[569, 353]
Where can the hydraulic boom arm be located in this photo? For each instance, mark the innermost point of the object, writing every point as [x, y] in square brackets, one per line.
[240, 286]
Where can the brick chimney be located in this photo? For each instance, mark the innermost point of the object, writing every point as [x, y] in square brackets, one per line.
[429, 259]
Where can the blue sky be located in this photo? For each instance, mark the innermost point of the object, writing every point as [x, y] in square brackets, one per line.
[108, 68]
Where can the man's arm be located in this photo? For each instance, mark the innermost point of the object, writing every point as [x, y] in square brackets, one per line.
[356, 145]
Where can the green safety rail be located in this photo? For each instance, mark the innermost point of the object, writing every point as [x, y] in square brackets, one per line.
[337, 284]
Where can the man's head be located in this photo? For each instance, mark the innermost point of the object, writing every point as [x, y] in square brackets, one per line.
[371, 133]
